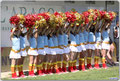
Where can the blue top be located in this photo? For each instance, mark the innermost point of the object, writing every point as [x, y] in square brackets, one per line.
[65, 39]
[77, 38]
[81, 37]
[85, 35]
[15, 43]
[91, 37]
[60, 39]
[55, 40]
[32, 42]
[45, 40]
[98, 36]
[105, 35]
[22, 42]
[50, 42]
[40, 42]
[72, 39]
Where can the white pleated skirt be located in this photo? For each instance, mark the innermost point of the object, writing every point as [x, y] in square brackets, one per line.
[41, 52]
[14, 55]
[73, 48]
[83, 47]
[105, 46]
[23, 53]
[66, 50]
[47, 50]
[52, 51]
[79, 49]
[91, 46]
[98, 46]
[60, 50]
[33, 52]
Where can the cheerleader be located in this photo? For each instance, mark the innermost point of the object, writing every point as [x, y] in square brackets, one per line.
[73, 49]
[82, 48]
[61, 49]
[45, 38]
[78, 49]
[97, 46]
[41, 52]
[44, 65]
[15, 51]
[56, 49]
[86, 38]
[23, 51]
[51, 52]
[66, 48]
[105, 42]
[91, 40]
[32, 52]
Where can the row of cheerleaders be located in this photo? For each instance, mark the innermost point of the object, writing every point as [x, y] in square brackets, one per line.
[59, 40]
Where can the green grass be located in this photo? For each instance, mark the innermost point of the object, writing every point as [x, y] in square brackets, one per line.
[100, 74]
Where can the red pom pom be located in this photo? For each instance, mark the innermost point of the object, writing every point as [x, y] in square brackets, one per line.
[45, 15]
[14, 20]
[86, 13]
[70, 17]
[30, 20]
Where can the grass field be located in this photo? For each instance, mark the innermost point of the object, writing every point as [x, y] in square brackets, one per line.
[95, 74]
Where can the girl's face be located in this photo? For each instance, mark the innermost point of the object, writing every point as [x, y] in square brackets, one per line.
[17, 31]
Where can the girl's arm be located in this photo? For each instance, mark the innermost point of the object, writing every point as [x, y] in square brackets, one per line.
[44, 30]
[48, 31]
[74, 27]
[103, 27]
[97, 26]
[19, 31]
[89, 25]
[28, 36]
[78, 29]
[61, 30]
[11, 35]
[35, 33]
[66, 28]
[58, 31]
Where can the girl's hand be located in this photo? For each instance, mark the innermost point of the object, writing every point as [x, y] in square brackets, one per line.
[13, 29]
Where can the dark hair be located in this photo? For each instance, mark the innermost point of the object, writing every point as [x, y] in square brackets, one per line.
[98, 30]
[22, 34]
[48, 36]
[92, 28]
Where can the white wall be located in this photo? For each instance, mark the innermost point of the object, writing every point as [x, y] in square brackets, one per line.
[10, 8]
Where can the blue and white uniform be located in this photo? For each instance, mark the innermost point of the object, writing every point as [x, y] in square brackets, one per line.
[15, 51]
[91, 40]
[46, 49]
[61, 43]
[78, 42]
[40, 45]
[82, 41]
[105, 41]
[66, 47]
[98, 40]
[73, 44]
[51, 46]
[23, 46]
[32, 50]
[86, 39]
[55, 41]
